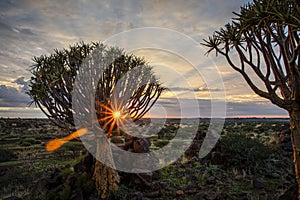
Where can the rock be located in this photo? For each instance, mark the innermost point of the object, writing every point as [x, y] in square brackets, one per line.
[216, 158]
[212, 197]
[141, 145]
[288, 146]
[41, 185]
[222, 196]
[155, 187]
[55, 174]
[191, 191]
[13, 198]
[263, 196]
[211, 180]
[290, 194]
[137, 195]
[3, 171]
[179, 192]
[273, 175]
[141, 179]
[258, 184]
[153, 194]
[238, 177]
[138, 145]
[85, 165]
[200, 195]
[194, 148]
[77, 194]
[146, 177]
[117, 139]
[165, 185]
[285, 138]
[156, 175]
[188, 187]
[71, 180]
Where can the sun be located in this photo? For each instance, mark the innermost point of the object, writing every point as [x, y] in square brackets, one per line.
[112, 115]
[116, 114]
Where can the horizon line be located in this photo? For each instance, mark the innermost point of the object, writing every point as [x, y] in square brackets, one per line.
[230, 117]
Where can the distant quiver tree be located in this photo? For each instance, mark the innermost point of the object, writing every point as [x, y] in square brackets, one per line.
[52, 85]
[262, 43]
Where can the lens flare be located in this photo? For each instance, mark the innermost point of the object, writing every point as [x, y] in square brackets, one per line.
[55, 144]
[114, 116]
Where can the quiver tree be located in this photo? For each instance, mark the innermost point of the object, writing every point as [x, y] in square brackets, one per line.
[111, 71]
[262, 43]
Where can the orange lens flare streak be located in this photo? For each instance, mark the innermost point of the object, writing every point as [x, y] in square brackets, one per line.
[55, 144]
[113, 116]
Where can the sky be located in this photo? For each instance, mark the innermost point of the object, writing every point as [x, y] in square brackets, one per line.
[166, 33]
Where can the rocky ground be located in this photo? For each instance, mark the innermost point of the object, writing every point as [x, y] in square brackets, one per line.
[252, 160]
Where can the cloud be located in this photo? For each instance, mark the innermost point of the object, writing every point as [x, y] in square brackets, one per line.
[197, 89]
[254, 109]
[11, 97]
[186, 108]
[23, 83]
[31, 28]
[15, 96]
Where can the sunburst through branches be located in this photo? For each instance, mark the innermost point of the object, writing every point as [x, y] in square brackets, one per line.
[111, 116]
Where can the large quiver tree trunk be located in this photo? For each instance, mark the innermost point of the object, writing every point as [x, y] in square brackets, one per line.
[295, 133]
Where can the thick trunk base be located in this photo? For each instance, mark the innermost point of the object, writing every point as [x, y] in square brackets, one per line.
[106, 179]
[295, 133]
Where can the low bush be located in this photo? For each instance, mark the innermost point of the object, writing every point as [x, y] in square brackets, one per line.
[243, 152]
[6, 155]
[120, 194]
[29, 141]
[65, 193]
[85, 183]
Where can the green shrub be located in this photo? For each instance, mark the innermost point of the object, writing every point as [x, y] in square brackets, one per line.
[6, 155]
[85, 182]
[25, 144]
[243, 152]
[120, 194]
[65, 193]
[66, 172]
[161, 143]
[29, 141]
[74, 147]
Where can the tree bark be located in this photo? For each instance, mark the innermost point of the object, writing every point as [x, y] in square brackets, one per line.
[106, 178]
[295, 135]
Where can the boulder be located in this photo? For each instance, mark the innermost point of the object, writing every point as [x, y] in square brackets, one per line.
[41, 185]
[290, 194]
[85, 165]
[285, 138]
[194, 148]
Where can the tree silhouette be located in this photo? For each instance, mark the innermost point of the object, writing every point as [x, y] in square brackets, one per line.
[123, 89]
[264, 38]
